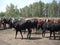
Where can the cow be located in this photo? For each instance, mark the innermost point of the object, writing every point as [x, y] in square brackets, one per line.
[45, 26]
[34, 23]
[52, 27]
[23, 25]
[40, 23]
[6, 21]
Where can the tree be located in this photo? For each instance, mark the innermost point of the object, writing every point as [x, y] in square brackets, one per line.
[37, 9]
[12, 11]
[54, 8]
[2, 14]
[59, 9]
[40, 9]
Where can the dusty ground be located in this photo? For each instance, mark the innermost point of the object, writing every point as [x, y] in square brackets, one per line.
[7, 38]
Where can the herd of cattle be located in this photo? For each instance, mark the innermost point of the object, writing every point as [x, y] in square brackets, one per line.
[52, 25]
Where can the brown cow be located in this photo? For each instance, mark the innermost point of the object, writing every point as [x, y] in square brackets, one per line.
[40, 23]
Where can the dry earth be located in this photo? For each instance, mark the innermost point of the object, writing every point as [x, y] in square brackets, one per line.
[7, 38]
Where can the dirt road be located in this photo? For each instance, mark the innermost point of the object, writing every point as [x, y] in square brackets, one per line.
[7, 38]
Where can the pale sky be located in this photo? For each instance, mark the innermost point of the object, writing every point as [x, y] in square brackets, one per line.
[19, 3]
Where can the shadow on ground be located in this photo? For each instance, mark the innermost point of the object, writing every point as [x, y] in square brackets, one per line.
[32, 38]
[52, 38]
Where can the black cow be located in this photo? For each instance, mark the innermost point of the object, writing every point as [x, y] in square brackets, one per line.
[7, 21]
[34, 23]
[23, 25]
[52, 27]
[55, 27]
[45, 26]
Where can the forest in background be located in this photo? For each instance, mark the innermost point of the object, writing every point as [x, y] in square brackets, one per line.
[37, 9]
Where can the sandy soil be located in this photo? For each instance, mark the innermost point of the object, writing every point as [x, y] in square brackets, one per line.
[7, 38]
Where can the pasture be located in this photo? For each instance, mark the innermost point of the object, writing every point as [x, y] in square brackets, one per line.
[7, 38]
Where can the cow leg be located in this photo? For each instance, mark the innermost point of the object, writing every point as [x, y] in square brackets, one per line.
[27, 36]
[4, 25]
[10, 26]
[38, 27]
[29, 33]
[50, 34]
[16, 34]
[54, 35]
[24, 31]
[21, 34]
[0, 24]
[43, 33]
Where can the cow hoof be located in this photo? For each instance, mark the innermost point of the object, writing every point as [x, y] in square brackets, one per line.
[15, 38]
[54, 38]
[29, 38]
[50, 38]
[21, 38]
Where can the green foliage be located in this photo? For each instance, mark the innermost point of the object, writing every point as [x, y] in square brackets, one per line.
[40, 9]
[2, 14]
[37, 9]
[12, 11]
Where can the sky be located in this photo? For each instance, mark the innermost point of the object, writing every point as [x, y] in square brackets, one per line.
[19, 3]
